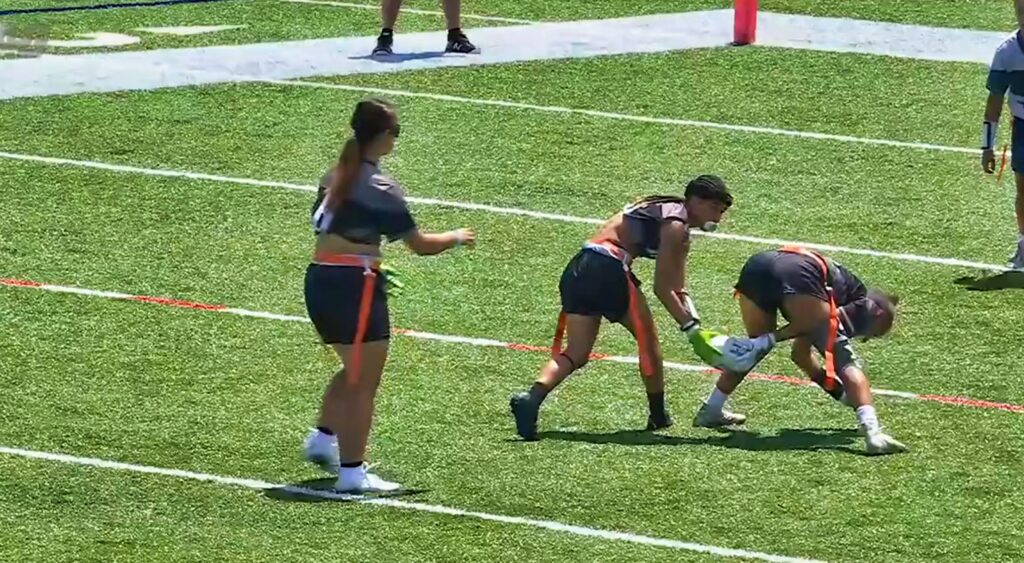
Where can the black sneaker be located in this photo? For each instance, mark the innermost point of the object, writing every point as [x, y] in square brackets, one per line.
[525, 411]
[459, 43]
[384, 44]
[659, 422]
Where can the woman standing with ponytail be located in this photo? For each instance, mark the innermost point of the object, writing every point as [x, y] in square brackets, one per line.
[357, 208]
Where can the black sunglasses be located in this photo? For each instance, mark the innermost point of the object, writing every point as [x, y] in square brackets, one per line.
[395, 131]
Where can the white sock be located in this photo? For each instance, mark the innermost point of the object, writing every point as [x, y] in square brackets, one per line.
[717, 400]
[321, 435]
[352, 473]
[868, 418]
[322, 438]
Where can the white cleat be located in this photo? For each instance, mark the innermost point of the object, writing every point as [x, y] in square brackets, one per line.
[883, 444]
[322, 450]
[707, 419]
[358, 480]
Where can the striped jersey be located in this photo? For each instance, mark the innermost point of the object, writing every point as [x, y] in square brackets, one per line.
[1007, 73]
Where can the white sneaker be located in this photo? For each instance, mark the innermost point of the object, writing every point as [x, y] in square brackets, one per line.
[1017, 260]
[883, 444]
[322, 450]
[707, 419]
[359, 480]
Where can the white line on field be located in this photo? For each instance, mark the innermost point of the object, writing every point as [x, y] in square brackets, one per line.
[447, 338]
[376, 8]
[495, 209]
[404, 505]
[627, 116]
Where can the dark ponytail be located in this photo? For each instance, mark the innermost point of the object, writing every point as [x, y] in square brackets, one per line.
[658, 199]
[345, 173]
[371, 119]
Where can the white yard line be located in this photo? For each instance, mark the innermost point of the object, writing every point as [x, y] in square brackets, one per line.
[631, 117]
[166, 68]
[259, 485]
[483, 342]
[954, 262]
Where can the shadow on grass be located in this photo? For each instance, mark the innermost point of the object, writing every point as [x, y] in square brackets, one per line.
[322, 490]
[806, 439]
[400, 57]
[998, 282]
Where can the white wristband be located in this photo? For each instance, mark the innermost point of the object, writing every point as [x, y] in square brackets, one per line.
[459, 238]
[989, 129]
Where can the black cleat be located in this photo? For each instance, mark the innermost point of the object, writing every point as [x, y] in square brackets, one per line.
[659, 422]
[459, 43]
[525, 411]
[384, 43]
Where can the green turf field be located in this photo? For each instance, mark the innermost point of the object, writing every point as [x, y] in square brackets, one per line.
[214, 393]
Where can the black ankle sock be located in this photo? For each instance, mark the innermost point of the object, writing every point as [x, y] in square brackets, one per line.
[538, 392]
[819, 378]
[325, 430]
[656, 402]
[387, 31]
[454, 32]
[352, 465]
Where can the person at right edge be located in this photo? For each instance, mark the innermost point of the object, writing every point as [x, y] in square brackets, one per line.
[1007, 74]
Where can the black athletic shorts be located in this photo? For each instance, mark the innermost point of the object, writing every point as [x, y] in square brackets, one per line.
[767, 278]
[594, 285]
[333, 294]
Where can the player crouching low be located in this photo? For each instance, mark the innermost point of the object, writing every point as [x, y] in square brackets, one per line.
[826, 306]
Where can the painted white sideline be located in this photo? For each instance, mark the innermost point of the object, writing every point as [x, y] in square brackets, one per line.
[164, 68]
[954, 262]
[551, 525]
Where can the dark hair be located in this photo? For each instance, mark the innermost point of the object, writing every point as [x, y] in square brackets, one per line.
[709, 186]
[887, 301]
[862, 312]
[371, 118]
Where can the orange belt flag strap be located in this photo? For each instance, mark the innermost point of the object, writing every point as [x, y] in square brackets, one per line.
[1002, 164]
[831, 380]
[365, 304]
[556, 345]
[370, 266]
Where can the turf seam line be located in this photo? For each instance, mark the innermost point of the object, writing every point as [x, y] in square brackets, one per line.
[954, 262]
[405, 505]
[486, 342]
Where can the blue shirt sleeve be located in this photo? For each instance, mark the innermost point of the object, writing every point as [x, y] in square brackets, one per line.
[998, 82]
[998, 75]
